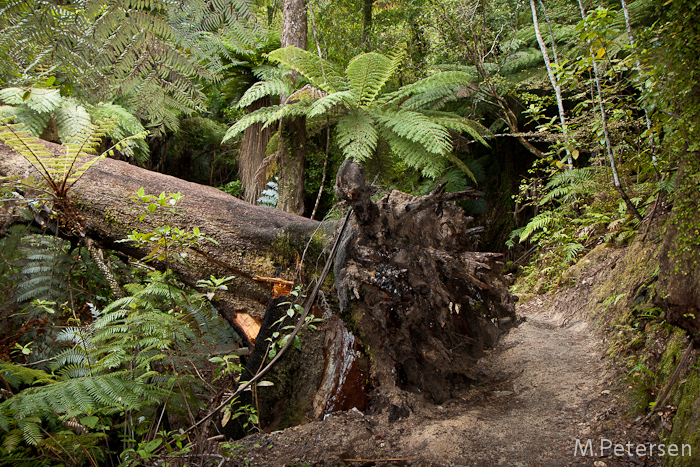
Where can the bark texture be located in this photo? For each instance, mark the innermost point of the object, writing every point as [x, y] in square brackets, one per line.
[253, 144]
[292, 138]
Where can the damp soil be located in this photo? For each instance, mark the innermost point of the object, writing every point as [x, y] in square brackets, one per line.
[546, 385]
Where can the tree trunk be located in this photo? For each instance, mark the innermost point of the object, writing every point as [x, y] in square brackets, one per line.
[407, 282]
[253, 145]
[552, 79]
[366, 23]
[293, 132]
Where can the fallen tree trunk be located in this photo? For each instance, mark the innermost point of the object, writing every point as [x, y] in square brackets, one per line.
[252, 242]
[409, 287]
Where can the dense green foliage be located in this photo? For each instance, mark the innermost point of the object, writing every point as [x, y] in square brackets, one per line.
[407, 88]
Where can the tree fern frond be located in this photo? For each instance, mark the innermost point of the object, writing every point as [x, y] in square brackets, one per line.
[43, 100]
[324, 105]
[418, 128]
[275, 87]
[72, 121]
[454, 122]
[366, 74]
[258, 116]
[415, 155]
[321, 73]
[12, 96]
[446, 81]
[357, 136]
[463, 167]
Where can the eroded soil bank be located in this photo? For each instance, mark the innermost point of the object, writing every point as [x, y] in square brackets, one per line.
[546, 385]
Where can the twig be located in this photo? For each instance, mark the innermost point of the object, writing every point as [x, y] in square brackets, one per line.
[297, 328]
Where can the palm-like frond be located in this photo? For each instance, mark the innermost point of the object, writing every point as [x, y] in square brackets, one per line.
[357, 135]
[368, 73]
[322, 73]
[418, 128]
[274, 87]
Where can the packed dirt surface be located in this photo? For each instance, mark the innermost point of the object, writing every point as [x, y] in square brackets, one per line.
[545, 386]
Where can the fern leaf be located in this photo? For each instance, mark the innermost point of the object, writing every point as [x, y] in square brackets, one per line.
[367, 74]
[538, 222]
[72, 121]
[44, 100]
[357, 136]
[13, 96]
[322, 74]
[275, 87]
[445, 82]
[418, 128]
[258, 116]
[323, 105]
[414, 155]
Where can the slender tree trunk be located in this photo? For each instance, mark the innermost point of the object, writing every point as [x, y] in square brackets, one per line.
[604, 120]
[550, 72]
[366, 23]
[292, 138]
[253, 145]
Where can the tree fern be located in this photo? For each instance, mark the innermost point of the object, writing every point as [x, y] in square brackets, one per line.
[352, 101]
[152, 53]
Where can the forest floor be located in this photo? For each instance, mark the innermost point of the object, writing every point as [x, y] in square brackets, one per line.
[545, 386]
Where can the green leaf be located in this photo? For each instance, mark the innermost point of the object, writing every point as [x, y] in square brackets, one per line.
[357, 135]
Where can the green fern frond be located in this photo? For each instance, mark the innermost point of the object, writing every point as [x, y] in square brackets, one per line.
[123, 125]
[454, 122]
[357, 135]
[367, 74]
[417, 128]
[43, 100]
[571, 251]
[567, 184]
[538, 222]
[19, 376]
[12, 96]
[414, 155]
[45, 266]
[443, 82]
[322, 74]
[324, 105]
[258, 116]
[72, 121]
[275, 87]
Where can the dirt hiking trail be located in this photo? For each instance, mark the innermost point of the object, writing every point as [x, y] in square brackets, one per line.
[544, 386]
